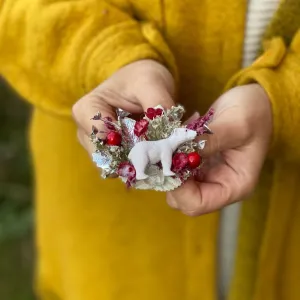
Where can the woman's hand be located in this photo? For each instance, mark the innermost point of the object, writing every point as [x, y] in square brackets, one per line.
[134, 88]
[242, 129]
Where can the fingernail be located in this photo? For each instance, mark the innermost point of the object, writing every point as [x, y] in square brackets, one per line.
[196, 115]
[171, 202]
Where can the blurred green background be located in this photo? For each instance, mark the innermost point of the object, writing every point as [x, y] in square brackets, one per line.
[16, 207]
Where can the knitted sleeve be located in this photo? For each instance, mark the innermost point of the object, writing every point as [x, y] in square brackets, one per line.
[277, 70]
[54, 51]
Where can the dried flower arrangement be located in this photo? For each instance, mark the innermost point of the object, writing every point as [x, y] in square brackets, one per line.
[157, 152]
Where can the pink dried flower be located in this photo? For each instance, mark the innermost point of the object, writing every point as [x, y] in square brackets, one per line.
[150, 113]
[158, 112]
[108, 121]
[96, 116]
[199, 124]
[140, 127]
[198, 174]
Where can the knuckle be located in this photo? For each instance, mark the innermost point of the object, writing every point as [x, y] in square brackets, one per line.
[96, 96]
[89, 99]
[171, 201]
[227, 193]
[172, 204]
[80, 137]
[246, 130]
[76, 109]
[247, 185]
[109, 96]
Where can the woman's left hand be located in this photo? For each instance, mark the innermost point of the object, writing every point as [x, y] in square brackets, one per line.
[242, 128]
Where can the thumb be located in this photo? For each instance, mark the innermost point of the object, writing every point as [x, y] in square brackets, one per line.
[158, 88]
[103, 101]
[226, 135]
[158, 95]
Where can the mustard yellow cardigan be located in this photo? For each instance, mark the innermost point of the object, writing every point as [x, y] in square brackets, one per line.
[95, 240]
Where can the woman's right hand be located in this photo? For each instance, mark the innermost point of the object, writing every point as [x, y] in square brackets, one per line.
[133, 88]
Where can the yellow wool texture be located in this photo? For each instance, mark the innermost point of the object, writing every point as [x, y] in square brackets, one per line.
[95, 240]
[277, 70]
[54, 52]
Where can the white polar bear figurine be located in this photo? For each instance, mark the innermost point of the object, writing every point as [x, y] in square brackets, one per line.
[151, 152]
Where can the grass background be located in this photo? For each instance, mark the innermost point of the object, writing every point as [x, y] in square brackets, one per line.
[16, 209]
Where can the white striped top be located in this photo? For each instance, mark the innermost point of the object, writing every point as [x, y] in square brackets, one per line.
[259, 15]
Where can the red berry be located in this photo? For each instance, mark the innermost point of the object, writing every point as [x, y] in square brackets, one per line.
[194, 160]
[113, 138]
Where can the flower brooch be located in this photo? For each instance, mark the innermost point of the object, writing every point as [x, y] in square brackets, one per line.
[157, 152]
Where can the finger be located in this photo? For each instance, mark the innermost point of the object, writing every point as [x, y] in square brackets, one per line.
[80, 135]
[226, 135]
[186, 199]
[198, 198]
[225, 182]
[88, 107]
[100, 101]
[171, 201]
[157, 96]
[156, 87]
[192, 118]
